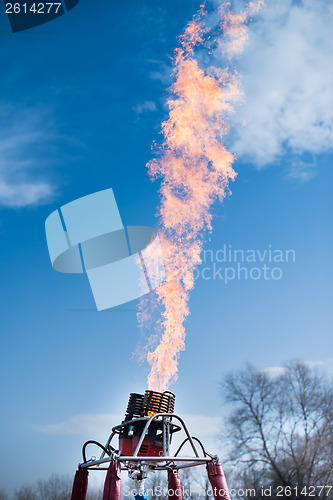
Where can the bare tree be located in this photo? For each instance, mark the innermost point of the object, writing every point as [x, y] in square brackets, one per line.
[281, 430]
[156, 486]
[3, 495]
[94, 494]
[55, 488]
[195, 483]
[26, 492]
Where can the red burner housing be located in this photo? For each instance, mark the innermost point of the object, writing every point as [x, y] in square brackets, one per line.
[148, 448]
[140, 408]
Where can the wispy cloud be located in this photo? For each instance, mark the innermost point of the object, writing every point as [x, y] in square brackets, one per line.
[24, 138]
[22, 194]
[88, 422]
[325, 366]
[83, 424]
[160, 71]
[274, 371]
[288, 84]
[204, 427]
[301, 170]
[146, 106]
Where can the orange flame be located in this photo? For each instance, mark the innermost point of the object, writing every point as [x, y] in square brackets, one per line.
[195, 169]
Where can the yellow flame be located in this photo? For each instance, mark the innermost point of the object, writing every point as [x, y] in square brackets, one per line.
[195, 169]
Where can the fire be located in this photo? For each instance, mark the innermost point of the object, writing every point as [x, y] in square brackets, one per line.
[195, 169]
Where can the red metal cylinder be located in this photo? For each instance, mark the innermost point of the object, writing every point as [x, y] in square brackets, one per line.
[80, 485]
[112, 485]
[174, 486]
[218, 482]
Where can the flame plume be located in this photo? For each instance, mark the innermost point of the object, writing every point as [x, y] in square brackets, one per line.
[195, 169]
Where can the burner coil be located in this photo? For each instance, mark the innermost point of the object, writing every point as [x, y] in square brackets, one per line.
[135, 406]
[158, 402]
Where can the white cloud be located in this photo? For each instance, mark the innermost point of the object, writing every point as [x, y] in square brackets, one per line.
[274, 371]
[23, 136]
[303, 171]
[204, 427]
[22, 194]
[162, 72]
[142, 107]
[323, 365]
[83, 424]
[288, 84]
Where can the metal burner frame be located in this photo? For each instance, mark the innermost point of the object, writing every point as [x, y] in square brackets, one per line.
[163, 462]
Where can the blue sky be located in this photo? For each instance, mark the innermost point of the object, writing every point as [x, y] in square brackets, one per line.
[82, 99]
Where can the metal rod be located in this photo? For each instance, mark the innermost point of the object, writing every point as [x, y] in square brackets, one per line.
[192, 464]
[129, 422]
[187, 433]
[107, 445]
[153, 417]
[117, 428]
[166, 435]
[147, 459]
[174, 466]
[95, 462]
[105, 468]
[143, 435]
[164, 459]
[158, 467]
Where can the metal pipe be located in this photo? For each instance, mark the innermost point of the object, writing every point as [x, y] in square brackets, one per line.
[153, 417]
[129, 422]
[143, 434]
[107, 444]
[117, 428]
[166, 435]
[191, 464]
[187, 433]
[164, 459]
[202, 460]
